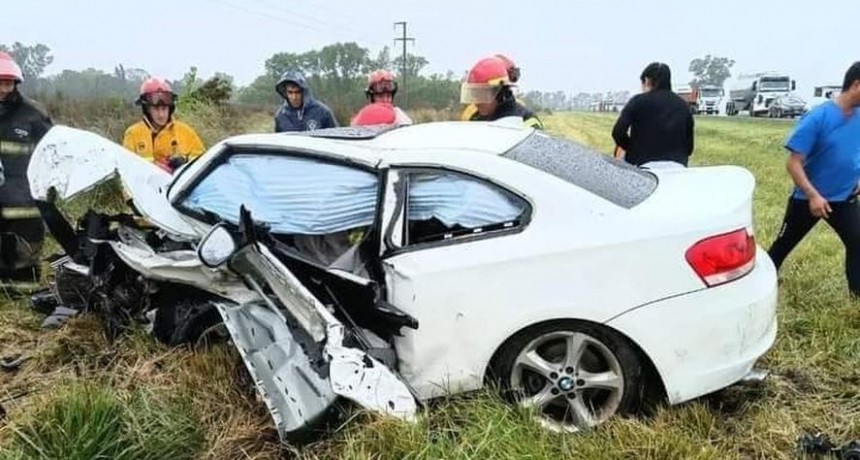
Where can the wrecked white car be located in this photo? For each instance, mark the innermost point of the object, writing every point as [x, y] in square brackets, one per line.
[389, 266]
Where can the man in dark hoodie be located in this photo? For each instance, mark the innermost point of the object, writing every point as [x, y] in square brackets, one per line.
[300, 112]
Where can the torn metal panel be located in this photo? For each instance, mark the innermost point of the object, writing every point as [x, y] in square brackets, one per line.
[73, 161]
[297, 356]
[287, 371]
[309, 312]
[182, 267]
[363, 379]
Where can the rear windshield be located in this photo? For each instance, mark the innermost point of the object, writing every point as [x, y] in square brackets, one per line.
[580, 165]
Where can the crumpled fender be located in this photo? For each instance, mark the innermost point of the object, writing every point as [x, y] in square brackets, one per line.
[73, 161]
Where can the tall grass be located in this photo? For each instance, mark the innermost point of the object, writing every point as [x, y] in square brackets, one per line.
[87, 421]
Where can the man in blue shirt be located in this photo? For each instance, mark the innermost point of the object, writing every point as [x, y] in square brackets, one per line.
[824, 163]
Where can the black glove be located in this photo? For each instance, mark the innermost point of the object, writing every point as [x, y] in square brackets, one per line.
[176, 161]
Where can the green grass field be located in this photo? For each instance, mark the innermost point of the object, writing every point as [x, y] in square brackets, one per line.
[82, 398]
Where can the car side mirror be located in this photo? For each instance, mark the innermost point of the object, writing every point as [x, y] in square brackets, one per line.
[793, 85]
[216, 247]
[755, 85]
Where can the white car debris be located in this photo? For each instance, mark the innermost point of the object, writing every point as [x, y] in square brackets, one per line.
[389, 266]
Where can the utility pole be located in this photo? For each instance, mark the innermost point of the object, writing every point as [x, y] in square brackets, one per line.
[403, 39]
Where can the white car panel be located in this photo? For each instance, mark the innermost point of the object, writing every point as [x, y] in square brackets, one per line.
[707, 340]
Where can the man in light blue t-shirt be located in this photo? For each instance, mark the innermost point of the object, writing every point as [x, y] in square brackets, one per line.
[824, 163]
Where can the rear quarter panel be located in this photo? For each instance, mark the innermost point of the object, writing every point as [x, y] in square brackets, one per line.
[579, 258]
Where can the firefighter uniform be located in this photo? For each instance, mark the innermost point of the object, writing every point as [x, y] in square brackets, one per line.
[509, 108]
[22, 232]
[175, 139]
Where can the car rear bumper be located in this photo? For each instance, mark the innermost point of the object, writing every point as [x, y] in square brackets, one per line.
[709, 339]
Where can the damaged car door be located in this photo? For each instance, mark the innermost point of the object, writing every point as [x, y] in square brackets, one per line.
[321, 331]
[301, 357]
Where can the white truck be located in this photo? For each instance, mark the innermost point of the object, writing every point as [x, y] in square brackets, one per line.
[710, 97]
[755, 92]
[703, 99]
[822, 94]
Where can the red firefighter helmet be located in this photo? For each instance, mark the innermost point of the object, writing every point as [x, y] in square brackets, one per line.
[379, 82]
[377, 113]
[156, 91]
[484, 81]
[513, 70]
[9, 69]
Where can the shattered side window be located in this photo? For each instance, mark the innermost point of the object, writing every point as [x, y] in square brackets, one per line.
[443, 205]
[293, 195]
[611, 179]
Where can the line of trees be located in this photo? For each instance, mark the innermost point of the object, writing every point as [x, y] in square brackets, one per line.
[336, 74]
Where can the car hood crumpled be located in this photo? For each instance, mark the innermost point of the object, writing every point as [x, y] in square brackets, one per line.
[72, 161]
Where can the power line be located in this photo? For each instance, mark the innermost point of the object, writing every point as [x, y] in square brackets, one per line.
[267, 15]
[403, 73]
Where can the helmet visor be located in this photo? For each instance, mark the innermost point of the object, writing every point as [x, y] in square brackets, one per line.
[159, 98]
[478, 93]
[385, 86]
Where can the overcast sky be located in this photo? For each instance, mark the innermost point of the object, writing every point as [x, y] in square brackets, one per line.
[569, 45]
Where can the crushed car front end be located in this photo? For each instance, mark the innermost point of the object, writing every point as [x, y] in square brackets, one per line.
[303, 359]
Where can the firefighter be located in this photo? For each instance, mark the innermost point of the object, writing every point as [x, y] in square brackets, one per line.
[513, 75]
[489, 87]
[22, 232]
[158, 137]
[375, 113]
[381, 88]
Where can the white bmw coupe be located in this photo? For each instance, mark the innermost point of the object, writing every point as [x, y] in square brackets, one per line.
[391, 265]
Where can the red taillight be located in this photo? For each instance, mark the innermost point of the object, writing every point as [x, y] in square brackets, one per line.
[723, 258]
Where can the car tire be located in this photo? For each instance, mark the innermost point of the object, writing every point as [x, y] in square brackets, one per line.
[533, 369]
[194, 323]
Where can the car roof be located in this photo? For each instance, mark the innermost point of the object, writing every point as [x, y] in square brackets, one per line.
[375, 144]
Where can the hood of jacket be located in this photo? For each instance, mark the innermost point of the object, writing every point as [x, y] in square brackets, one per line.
[298, 78]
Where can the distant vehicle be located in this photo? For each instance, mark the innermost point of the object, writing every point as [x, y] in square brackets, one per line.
[691, 96]
[789, 105]
[822, 94]
[704, 99]
[754, 93]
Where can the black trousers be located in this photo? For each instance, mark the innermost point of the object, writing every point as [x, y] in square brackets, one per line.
[20, 249]
[845, 220]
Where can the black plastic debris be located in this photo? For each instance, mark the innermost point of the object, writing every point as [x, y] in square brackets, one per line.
[820, 446]
[12, 363]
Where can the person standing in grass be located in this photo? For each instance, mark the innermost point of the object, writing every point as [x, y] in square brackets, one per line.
[489, 88]
[158, 137]
[300, 111]
[655, 126]
[22, 232]
[824, 163]
[381, 89]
